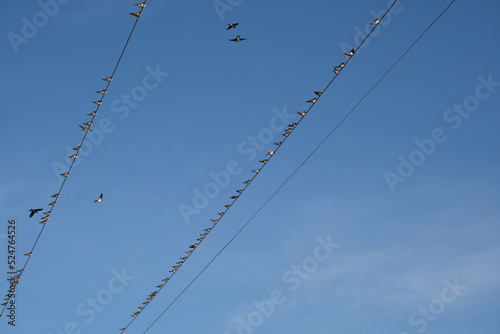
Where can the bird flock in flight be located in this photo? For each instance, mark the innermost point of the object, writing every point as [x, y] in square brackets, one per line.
[270, 153]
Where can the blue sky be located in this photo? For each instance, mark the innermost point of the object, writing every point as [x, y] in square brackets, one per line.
[390, 227]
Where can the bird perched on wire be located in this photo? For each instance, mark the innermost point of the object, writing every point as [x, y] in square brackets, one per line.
[33, 211]
[87, 123]
[264, 161]
[108, 79]
[141, 4]
[84, 129]
[313, 100]
[232, 25]
[318, 93]
[99, 199]
[302, 113]
[237, 39]
[350, 53]
[375, 22]
[98, 102]
[102, 91]
[64, 174]
[136, 14]
[93, 113]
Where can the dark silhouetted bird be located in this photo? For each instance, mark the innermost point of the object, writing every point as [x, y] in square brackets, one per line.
[237, 39]
[318, 93]
[33, 211]
[232, 25]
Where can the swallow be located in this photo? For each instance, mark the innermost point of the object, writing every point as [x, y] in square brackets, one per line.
[33, 211]
[136, 14]
[199, 239]
[55, 195]
[207, 230]
[227, 206]
[173, 271]
[47, 213]
[239, 190]
[215, 221]
[45, 217]
[183, 258]
[189, 252]
[336, 71]
[341, 65]
[247, 182]
[278, 143]
[108, 79]
[264, 161]
[269, 152]
[237, 39]
[165, 279]
[52, 203]
[84, 129]
[318, 93]
[180, 262]
[64, 174]
[234, 197]
[292, 125]
[313, 100]
[88, 123]
[193, 246]
[350, 53]
[232, 25]
[176, 267]
[93, 113]
[28, 254]
[159, 287]
[99, 199]
[302, 113]
[73, 156]
[98, 102]
[375, 22]
[141, 4]
[289, 130]
[221, 214]
[77, 148]
[43, 222]
[286, 134]
[203, 235]
[102, 91]
[255, 171]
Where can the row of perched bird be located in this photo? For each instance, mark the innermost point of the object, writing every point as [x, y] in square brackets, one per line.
[270, 153]
[46, 216]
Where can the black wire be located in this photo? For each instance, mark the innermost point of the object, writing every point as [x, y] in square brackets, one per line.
[300, 166]
[72, 163]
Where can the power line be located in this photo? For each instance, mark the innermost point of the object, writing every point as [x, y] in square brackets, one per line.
[86, 130]
[303, 162]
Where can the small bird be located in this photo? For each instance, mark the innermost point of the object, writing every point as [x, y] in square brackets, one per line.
[292, 125]
[203, 235]
[255, 171]
[136, 14]
[232, 25]
[221, 214]
[165, 279]
[122, 329]
[234, 197]
[28, 254]
[278, 143]
[269, 152]
[159, 287]
[207, 230]
[189, 252]
[318, 93]
[350, 53]
[289, 130]
[173, 270]
[141, 4]
[199, 239]
[176, 267]
[88, 123]
[193, 246]
[215, 221]
[286, 134]
[313, 100]
[52, 203]
[84, 129]
[375, 22]
[45, 217]
[180, 262]
[108, 79]
[336, 71]
[247, 182]
[73, 156]
[302, 113]
[77, 148]
[240, 190]
[98, 102]
[227, 206]
[33, 211]
[102, 91]
[184, 258]
[341, 65]
[237, 39]
[93, 113]
[264, 161]
[99, 199]
[55, 195]
[64, 174]
[43, 222]
[47, 213]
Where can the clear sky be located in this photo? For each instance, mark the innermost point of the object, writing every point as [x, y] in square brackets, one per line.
[392, 226]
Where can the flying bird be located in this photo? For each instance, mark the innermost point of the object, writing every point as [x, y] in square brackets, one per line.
[33, 211]
[237, 39]
[350, 53]
[136, 14]
[232, 25]
[375, 22]
[99, 199]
